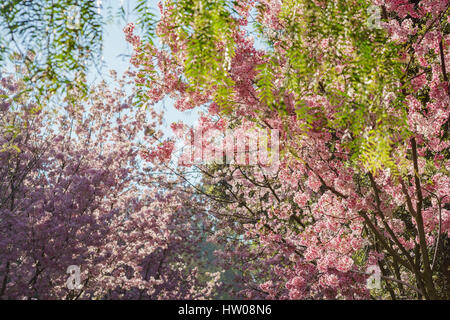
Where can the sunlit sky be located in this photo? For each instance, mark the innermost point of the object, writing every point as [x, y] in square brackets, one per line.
[117, 53]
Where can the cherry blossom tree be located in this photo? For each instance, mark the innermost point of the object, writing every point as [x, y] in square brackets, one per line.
[356, 93]
[74, 192]
[362, 108]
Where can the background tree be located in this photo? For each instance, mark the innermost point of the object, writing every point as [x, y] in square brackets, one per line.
[74, 192]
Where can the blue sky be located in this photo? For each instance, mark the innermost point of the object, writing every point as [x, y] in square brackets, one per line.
[116, 56]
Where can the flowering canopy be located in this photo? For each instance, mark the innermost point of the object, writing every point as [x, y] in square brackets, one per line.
[74, 193]
[356, 93]
[362, 108]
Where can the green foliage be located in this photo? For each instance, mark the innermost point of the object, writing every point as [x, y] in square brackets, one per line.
[52, 42]
[354, 70]
[265, 82]
[206, 27]
[376, 151]
[146, 19]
